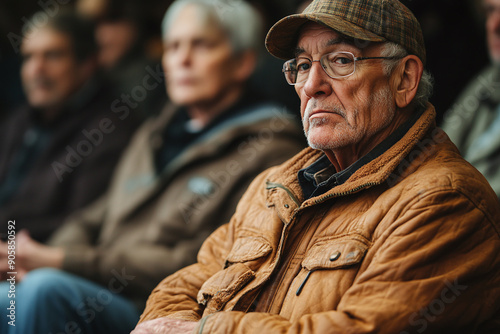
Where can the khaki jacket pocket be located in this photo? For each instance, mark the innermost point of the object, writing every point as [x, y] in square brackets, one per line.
[335, 253]
[247, 249]
[245, 256]
[222, 286]
[328, 255]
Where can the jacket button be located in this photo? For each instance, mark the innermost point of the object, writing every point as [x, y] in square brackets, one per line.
[335, 256]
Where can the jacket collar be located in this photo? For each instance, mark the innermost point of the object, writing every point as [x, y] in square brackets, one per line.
[308, 177]
[143, 182]
[377, 171]
[491, 80]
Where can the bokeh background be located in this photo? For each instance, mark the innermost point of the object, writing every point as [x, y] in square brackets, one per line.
[453, 31]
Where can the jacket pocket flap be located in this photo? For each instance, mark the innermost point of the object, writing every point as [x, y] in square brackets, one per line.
[222, 286]
[248, 249]
[335, 253]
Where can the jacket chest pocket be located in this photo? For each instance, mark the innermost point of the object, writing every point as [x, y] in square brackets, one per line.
[247, 255]
[335, 253]
[330, 255]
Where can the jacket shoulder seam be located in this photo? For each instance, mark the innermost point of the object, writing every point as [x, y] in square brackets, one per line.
[434, 191]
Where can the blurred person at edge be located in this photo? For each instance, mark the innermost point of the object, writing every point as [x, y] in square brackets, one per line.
[58, 152]
[380, 226]
[123, 34]
[178, 180]
[473, 122]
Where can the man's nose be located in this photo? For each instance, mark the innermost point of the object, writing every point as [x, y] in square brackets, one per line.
[318, 82]
[185, 55]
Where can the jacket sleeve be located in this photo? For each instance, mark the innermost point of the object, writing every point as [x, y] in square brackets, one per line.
[92, 178]
[89, 180]
[176, 295]
[135, 271]
[422, 274]
[82, 227]
[85, 187]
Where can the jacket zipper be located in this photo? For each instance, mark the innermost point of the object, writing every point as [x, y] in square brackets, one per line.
[283, 238]
[345, 193]
[273, 185]
[299, 290]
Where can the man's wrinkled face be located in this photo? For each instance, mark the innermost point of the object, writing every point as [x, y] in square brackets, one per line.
[493, 28]
[50, 72]
[198, 61]
[342, 113]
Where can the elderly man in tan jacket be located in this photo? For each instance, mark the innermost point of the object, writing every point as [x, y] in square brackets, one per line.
[379, 227]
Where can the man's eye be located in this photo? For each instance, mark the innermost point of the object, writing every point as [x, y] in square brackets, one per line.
[303, 66]
[339, 60]
[204, 44]
[25, 57]
[171, 46]
[54, 55]
[489, 10]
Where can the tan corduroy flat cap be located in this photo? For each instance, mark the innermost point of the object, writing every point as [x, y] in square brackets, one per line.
[367, 20]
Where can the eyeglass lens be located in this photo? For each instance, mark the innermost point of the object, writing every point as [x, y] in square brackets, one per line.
[335, 64]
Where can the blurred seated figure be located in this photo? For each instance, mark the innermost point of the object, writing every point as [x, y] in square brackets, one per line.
[473, 122]
[122, 35]
[57, 153]
[178, 180]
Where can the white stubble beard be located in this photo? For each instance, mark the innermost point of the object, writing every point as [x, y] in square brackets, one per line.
[381, 103]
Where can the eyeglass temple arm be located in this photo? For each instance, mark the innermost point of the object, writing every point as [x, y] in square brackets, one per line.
[365, 58]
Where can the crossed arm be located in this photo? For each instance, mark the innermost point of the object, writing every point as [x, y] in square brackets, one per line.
[413, 273]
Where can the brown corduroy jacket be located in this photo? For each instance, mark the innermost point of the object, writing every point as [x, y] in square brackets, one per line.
[408, 244]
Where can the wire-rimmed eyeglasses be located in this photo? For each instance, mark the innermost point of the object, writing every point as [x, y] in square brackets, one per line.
[335, 64]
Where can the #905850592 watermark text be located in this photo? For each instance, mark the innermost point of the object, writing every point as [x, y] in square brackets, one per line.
[11, 274]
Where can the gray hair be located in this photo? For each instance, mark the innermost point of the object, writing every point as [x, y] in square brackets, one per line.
[238, 19]
[425, 87]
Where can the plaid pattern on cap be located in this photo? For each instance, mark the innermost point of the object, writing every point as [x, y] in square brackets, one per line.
[366, 20]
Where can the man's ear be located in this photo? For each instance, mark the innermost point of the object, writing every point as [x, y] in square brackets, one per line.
[405, 80]
[245, 66]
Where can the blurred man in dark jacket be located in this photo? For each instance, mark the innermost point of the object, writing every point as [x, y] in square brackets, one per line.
[58, 152]
[178, 180]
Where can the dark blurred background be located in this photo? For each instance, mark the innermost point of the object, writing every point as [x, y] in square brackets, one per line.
[456, 45]
[453, 31]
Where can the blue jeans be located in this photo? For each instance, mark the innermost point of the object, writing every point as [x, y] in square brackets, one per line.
[50, 301]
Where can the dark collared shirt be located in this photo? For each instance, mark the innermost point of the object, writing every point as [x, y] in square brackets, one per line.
[321, 176]
[177, 136]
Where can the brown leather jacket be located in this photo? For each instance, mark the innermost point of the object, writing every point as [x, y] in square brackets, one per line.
[409, 244]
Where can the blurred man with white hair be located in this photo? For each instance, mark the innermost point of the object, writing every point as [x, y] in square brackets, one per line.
[179, 179]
